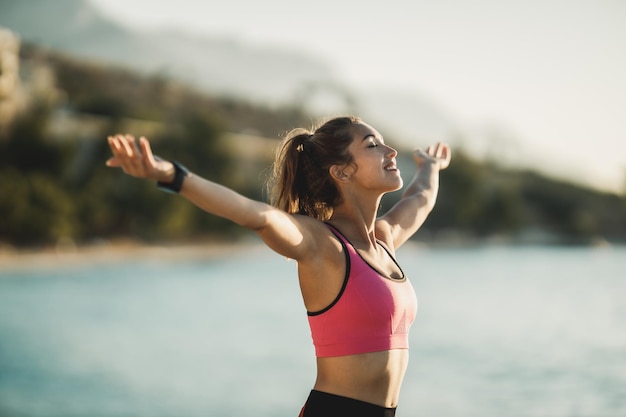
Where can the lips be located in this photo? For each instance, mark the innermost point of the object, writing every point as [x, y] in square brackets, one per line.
[391, 166]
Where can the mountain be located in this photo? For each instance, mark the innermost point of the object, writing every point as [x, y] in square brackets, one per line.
[219, 65]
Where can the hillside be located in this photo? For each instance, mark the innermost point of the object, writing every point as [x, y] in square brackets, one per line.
[218, 65]
[56, 188]
[222, 66]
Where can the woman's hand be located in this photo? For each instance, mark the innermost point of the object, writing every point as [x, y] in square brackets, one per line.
[136, 159]
[438, 154]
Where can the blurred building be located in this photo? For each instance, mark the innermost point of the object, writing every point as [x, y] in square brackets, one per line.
[9, 78]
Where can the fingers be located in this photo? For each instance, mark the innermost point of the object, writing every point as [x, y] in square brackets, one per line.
[131, 156]
[446, 153]
[113, 162]
[146, 151]
[435, 151]
[132, 164]
[442, 154]
[438, 153]
[122, 152]
[439, 149]
[128, 145]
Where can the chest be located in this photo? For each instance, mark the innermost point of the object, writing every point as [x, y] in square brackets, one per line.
[372, 298]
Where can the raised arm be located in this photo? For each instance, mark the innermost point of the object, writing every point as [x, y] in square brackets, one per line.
[282, 232]
[418, 199]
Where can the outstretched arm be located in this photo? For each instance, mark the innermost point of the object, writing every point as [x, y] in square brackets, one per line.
[418, 199]
[282, 232]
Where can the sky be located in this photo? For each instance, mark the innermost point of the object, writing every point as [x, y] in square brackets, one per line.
[551, 73]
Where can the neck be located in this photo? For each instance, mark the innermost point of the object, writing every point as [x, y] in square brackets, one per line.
[357, 220]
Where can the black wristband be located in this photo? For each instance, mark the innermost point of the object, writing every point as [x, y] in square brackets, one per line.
[180, 173]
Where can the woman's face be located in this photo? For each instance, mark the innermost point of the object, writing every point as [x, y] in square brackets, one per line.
[374, 166]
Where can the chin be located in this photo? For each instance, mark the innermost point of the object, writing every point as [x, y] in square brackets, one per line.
[398, 185]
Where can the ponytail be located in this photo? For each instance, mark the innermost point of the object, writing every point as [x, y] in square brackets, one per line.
[301, 181]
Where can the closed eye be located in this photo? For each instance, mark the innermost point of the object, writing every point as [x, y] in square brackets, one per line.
[373, 141]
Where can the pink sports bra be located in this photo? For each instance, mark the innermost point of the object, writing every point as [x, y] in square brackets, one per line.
[371, 312]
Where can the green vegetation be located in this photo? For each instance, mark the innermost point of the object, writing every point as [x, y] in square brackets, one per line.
[485, 201]
[56, 187]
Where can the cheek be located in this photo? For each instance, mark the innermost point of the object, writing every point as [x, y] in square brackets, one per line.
[352, 168]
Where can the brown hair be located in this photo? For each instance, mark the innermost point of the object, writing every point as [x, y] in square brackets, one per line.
[301, 181]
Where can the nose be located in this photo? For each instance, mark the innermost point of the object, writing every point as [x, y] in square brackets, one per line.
[391, 151]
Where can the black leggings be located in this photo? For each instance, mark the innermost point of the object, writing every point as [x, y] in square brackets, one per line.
[322, 404]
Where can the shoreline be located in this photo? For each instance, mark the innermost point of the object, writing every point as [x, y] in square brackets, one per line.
[70, 255]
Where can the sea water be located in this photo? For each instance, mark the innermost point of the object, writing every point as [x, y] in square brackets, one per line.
[500, 332]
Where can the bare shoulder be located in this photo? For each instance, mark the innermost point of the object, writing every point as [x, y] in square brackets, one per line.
[322, 243]
[296, 236]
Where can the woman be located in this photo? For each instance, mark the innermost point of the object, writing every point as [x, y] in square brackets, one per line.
[327, 187]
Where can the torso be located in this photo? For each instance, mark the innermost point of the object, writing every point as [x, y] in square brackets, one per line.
[374, 377]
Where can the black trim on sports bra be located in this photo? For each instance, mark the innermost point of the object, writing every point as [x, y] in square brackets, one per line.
[345, 279]
[382, 245]
[401, 279]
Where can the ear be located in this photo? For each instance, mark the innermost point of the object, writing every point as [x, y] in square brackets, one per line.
[340, 173]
